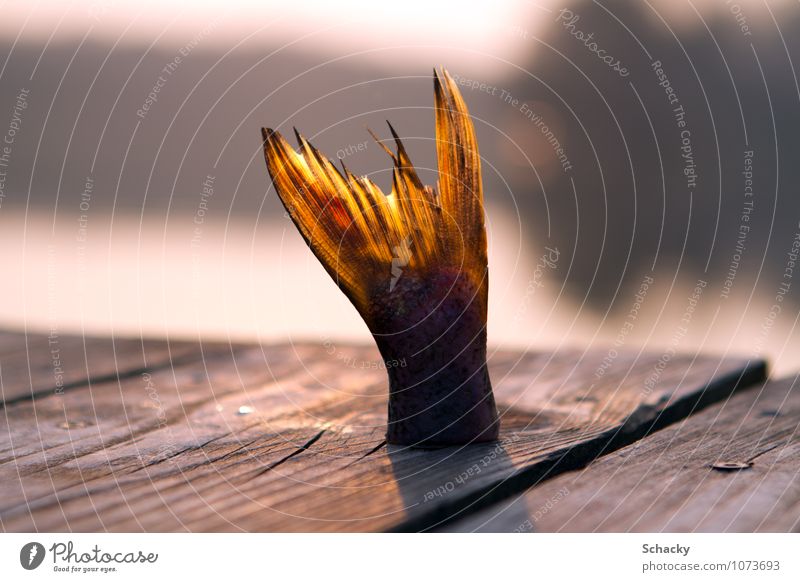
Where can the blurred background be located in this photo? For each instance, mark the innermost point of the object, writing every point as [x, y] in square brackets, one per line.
[640, 164]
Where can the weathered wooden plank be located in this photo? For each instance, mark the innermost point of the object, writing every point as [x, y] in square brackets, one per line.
[308, 452]
[667, 482]
[58, 444]
[41, 365]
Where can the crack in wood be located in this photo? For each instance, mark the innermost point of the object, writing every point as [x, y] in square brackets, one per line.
[373, 450]
[765, 451]
[302, 448]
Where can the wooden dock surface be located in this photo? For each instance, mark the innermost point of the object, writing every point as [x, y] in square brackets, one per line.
[113, 434]
[733, 467]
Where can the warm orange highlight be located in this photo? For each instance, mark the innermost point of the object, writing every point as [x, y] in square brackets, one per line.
[355, 230]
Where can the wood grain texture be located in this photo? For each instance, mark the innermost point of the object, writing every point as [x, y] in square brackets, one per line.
[291, 438]
[33, 365]
[667, 482]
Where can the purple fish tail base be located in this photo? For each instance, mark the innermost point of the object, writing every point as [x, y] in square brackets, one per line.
[435, 326]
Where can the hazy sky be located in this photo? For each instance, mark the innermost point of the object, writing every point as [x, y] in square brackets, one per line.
[317, 26]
